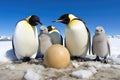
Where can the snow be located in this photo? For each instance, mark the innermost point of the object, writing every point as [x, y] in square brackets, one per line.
[82, 74]
[115, 60]
[75, 64]
[98, 65]
[114, 46]
[92, 69]
[31, 75]
[6, 51]
[116, 66]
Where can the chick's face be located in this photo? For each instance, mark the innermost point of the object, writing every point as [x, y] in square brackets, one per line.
[99, 30]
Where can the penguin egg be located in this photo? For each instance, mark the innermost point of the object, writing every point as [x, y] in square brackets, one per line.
[57, 56]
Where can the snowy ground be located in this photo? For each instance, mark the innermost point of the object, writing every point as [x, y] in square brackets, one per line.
[76, 70]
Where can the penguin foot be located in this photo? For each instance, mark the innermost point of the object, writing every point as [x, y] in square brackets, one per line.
[97, 59]
[104, 61]
[26, 59]
[79, 58]
[34, 61]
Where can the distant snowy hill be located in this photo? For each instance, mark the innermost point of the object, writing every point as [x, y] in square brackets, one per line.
[114, 36]
[5, 38]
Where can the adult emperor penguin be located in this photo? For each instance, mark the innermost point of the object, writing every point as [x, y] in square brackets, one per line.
[44, 40]
[100, 45]
[55, 35]
[25, 38]
[77, 35]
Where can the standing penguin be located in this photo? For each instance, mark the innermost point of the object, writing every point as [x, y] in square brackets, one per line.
[55, 35]
[44, 40]
[25, 39]
[77, 35]
[100, 45]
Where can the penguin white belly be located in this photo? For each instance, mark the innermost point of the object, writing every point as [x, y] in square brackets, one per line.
[25, 40]
[77, 40]
[101, 49]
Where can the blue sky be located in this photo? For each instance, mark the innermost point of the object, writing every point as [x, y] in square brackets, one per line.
[104, 13]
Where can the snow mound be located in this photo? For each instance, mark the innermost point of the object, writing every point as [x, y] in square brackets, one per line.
[31, 75]
[81, 74]
[6, 51]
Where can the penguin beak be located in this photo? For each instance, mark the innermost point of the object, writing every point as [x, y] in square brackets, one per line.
[57, 20]
[39, 22]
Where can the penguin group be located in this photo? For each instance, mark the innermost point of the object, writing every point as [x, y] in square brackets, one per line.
[27, 43]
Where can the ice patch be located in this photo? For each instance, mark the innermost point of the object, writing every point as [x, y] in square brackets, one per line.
[82, 74]
[31, 75]
[115, 66]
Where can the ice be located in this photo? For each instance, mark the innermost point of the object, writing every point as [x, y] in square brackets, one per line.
[99, 65]
[10, 67]
[92, 69]
[31, 75]
[75, 64]
[81, 74]
[115, 66]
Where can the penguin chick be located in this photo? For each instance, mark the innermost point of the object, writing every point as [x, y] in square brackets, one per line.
[77, 35]
[55, 35]
[100, 45]
[25, 38]
[44, 40]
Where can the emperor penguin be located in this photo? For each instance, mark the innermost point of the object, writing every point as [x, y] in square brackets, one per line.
[55, 35]
[25, 38]
[100, 44]
[44, 40]
[77, 35]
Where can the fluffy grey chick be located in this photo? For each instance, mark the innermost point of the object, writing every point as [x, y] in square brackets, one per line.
[55, 35]
[44, 40]
[100, 45]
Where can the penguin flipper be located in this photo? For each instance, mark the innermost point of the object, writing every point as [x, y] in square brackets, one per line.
[61, 39]
[89, 37]
[13, 47]
[65, 43]
[108, 48]
[92, 50]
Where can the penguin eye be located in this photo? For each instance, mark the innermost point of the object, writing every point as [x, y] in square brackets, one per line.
[97, 30]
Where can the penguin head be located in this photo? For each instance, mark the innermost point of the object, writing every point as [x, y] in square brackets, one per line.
[99, 30]
[52, 29]
[33, 20]
[43, 29]
[65, 18]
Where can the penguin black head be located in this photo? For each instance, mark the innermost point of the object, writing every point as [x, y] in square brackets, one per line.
[49, 28]
[66, 18]
[34, 20]
[63, 19]
[52, 29]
